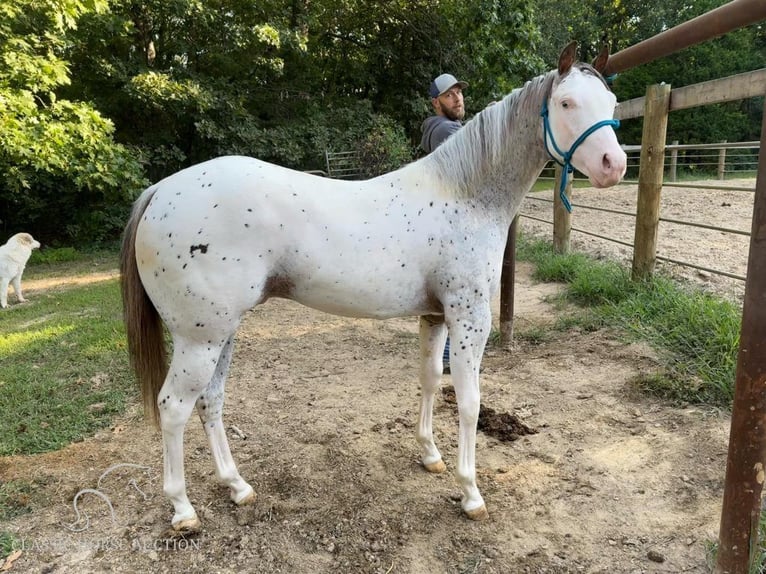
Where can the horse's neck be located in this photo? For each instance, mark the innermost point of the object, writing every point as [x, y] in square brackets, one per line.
[499, 154]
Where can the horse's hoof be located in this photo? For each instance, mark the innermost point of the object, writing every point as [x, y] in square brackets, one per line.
[478, 514]
[436, 467]
[247, 500]
[188, 526]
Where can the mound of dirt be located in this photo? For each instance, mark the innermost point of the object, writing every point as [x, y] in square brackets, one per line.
[502, 426]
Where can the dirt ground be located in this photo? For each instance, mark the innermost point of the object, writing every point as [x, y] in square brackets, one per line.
[321, 416]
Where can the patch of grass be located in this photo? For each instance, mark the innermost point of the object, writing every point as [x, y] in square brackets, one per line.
[68, 261]
[696, 334]
[598, 283]
[15, 499]
[54, 255]
[663, 385]
[7, 543]
[584, 321]
[547, 184]
[63, 366]
[534, 335]
[495, 337]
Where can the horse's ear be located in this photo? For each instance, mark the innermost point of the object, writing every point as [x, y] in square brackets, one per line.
[603, 57]
[567, 58]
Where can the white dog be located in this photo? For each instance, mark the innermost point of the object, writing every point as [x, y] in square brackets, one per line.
[13, 259]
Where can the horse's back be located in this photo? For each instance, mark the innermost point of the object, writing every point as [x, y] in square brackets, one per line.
[231, 232]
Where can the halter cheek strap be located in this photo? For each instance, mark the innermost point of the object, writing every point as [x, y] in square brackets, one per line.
[566, 156]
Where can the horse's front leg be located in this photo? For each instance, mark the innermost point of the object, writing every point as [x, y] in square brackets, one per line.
[433, 333]
[469, 330]
[210, 409]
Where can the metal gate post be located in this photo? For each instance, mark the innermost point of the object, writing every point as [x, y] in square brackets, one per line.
[741, 511]
[508, 286]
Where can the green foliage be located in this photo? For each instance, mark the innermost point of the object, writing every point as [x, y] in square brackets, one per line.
[63, 176]
[696, 334]
[54, 255]
[98, 98]
[736, 52]
[279, 83]
[384, 148]
[7, 543]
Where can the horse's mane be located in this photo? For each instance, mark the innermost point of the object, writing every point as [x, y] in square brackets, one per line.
[487, 140]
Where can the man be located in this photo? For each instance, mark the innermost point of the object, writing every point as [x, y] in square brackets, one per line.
[446, 93]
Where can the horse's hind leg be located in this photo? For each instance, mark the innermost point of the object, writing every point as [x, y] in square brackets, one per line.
[433, 333]
[190, 372]
[210, 409]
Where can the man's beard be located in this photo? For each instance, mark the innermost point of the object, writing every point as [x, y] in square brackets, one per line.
[455, 115]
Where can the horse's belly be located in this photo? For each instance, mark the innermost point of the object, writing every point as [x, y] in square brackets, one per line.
[376, 298]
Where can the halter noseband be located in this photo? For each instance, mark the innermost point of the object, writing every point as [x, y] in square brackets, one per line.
[567, 156]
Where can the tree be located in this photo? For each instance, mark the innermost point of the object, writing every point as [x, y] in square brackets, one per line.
[63, 175]
[285, 80]
[736, 52]
[623, 23]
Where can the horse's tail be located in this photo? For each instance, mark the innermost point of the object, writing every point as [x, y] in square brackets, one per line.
[143, 325]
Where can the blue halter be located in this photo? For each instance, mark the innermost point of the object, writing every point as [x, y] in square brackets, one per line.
[567, 156]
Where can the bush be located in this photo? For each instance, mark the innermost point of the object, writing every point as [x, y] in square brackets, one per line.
[385, 148]
[64, 177]
[301, 145]
[54, 255]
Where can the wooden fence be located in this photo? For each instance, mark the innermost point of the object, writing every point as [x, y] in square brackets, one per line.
[746, 462]
[721, 160]
[563, 226]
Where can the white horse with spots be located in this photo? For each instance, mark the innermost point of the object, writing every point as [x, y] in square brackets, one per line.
[212, 241]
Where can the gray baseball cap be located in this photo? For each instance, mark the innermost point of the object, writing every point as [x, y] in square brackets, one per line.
[443, 83]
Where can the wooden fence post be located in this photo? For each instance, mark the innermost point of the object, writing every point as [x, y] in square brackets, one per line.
[722, 162]
[650, 180]
[562, 219]
[507, 286]
[746, 461]
[673, 163]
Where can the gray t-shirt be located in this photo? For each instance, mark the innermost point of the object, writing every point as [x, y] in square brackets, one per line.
[435, 130]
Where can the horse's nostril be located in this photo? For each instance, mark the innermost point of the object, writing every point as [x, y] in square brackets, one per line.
[606, 162]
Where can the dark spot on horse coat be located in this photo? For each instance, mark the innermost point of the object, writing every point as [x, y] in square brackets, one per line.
[202, 248]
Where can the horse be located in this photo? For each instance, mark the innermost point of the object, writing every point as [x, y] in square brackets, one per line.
[210, 242]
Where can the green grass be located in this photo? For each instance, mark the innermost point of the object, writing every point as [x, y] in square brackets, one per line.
[7, 543]
[63, 361]
[15, 498]
[68, 261]
[695, 334]
[535, 335]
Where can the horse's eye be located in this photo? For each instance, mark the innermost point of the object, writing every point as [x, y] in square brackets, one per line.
[565, 104]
